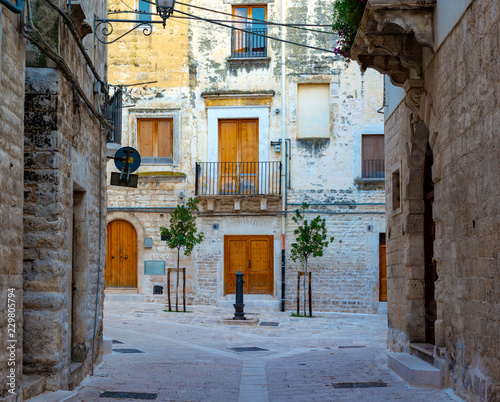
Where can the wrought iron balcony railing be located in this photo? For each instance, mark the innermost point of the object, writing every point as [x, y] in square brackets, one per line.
[248, 45]
[374, 169]
[238, 178]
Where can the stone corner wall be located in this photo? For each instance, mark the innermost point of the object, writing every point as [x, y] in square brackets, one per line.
[461, 120]
[12, 57]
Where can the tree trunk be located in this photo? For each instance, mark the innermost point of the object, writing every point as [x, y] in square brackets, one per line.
[305, 290]
[177, 284]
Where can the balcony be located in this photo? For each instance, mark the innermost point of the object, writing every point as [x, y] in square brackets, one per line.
[374, 169]
[246, 45]
[238, 178]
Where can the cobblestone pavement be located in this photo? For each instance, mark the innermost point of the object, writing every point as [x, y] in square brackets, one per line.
[189, 357]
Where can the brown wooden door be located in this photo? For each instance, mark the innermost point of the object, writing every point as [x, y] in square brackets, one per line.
[239, 154]
[121, 257]
[253, 257]
[382, 271]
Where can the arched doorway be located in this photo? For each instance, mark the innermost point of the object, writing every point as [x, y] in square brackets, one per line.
[430, 276]
[121, 256]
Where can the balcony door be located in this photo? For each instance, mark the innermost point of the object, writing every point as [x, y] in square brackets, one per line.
[238, 156]
[253, 257]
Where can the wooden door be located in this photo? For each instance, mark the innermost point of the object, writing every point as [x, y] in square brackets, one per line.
[382, 269]
[253, 257]
[238, 156]
[121, 256]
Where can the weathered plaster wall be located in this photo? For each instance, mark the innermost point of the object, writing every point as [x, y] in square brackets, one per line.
[216, 82]
[462, 116]
[12, 50]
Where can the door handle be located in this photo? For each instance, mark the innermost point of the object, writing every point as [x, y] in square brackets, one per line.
[126, 256]
[249, 263]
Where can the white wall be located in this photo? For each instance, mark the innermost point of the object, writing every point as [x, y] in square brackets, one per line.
[448, 13]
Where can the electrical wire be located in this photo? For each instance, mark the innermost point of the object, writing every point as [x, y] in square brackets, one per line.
[256, 34]
[296, 26]
[263, 22]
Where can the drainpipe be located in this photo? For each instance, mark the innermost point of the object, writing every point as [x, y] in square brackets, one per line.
[283, 154]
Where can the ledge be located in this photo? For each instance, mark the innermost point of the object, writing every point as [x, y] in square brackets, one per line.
[237, 94]
[392, 35]
[370, 184]
[248, 62]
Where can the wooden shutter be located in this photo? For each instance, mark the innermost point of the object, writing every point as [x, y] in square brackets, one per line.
[145, 137]
[155, 138]
[382, 273]
[164, 138]
[373, 156]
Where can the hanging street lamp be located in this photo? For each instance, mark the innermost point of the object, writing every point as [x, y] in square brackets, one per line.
[165, 8]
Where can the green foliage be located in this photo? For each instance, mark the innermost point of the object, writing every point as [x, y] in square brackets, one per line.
[311, 236]
[347, 15]
[182, 230]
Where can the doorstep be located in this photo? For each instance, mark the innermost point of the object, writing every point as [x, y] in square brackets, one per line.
[415, 371]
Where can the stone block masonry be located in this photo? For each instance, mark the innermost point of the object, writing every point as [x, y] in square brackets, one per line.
[12, 59]
[460, 124]
[61, 231]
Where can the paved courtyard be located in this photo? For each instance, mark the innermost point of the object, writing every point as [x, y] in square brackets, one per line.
[190, 357]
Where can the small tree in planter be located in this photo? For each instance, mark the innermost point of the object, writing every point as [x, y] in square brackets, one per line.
[310, 241]
[182, 234]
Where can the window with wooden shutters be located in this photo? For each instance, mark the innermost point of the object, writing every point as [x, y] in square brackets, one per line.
[155, 140]
[373, 157]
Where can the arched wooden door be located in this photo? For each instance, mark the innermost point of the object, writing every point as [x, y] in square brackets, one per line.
[121, 256]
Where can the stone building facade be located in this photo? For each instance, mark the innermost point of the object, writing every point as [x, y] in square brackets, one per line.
[442, 187]
[223, 98]
[53, 135]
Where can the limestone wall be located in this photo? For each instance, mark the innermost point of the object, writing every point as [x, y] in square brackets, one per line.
[11, 197]
[64, 211]
[461, 115]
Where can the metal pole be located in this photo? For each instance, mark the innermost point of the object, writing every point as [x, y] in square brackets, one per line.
[283, 134]
[239, 314]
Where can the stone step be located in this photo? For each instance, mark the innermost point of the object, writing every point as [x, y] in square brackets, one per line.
[424, 351]
[32, 385]
[413, 370]
[58, 396]
[124, 298]
[120, 291]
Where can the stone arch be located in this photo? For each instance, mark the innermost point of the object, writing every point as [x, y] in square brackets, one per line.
[139, 228]
[414, 207]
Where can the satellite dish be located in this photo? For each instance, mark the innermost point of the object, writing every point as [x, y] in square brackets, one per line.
[127, 160]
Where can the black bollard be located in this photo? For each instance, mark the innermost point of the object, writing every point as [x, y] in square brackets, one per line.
[239, 314]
